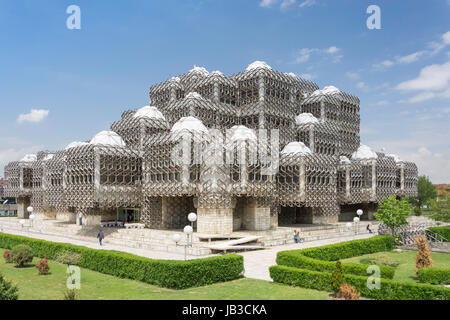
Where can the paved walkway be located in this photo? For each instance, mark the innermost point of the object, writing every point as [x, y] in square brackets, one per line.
[256, 263]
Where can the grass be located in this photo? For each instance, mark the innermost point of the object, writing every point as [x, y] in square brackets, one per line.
[98, 286]
[404, 262]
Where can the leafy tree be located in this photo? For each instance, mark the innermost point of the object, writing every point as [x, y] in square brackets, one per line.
[441, 208]
[21, 255]
[337, 277]
[393, 212]
[426, 191]
[8, 291]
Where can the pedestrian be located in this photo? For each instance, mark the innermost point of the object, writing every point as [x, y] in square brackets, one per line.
[80, 217]
[297, 237]
[368, 228]
[100, 237]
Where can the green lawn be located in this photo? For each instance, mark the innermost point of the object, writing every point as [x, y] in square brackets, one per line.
[405, 262]
[98, 286]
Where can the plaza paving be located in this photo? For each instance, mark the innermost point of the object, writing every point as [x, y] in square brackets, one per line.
[256, 263]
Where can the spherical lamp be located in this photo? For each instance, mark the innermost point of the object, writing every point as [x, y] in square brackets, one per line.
[188, 230]
[176, 238]
[356, 219]
[192, 217]
[359, 212]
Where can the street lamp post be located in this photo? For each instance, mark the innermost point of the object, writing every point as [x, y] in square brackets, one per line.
[188, 231]
[356, 221]
[31, 216]
[359, 212]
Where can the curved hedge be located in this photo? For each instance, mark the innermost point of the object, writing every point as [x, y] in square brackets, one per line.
[389, 290]
[164, 273]
[434, 275]
[321, 258]
[443, 231]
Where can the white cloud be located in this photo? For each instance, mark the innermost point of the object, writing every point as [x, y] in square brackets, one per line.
[381, 103]
[308, 3]
[411, 57]
[11, 154]
[352, 75]
[438, 46]
[433, 78]
[304, 54]
[286, 4]
[308, 76]
[34, 116]
[361, 85]
[267, 3]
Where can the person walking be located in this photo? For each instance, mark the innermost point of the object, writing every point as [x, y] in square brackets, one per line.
[80, 218]
[100, 237]
[368, 228]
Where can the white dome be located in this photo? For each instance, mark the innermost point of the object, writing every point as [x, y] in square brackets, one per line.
[297, 148]
[258, 64]
[109, 138]
[29, 158]
[345, 160]
[195, 95]
[48, 157]
[217, 72]
[176, 79]
[291, 74]
[304, 118]
[327, 90]
[364, 152]
[396, 158]
[200, 70]
[189, 124]
[241, 133]
[149, 112]
[76, 144]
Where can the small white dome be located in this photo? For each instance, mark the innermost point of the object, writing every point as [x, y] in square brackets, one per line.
[344, 160]
[149, 112]
[29, 158]
[242, 133]
[364, 152]
[296, 148]
[396, 158]
[194, 95]
[109, 138]
[200, 70]
[189, 124]
[304, 118]
[291, 74]
[327, 90]
[258, 64]
[76, 144]
[176, 79]
[217, 72]
[48, 157]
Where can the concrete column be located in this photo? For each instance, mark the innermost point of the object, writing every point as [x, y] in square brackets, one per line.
[262, 94]
[374, 180]
[347, 182]
[216, 97]
[256, 218]
[22, 205]
[302, 182]
[323, 115]
[312, 144]
[215, 220]
[402, 177]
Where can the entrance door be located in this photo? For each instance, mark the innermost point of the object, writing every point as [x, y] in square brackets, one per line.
[129, 215]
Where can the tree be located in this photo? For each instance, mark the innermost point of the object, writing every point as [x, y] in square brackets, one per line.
[393, 212]
[8, 291]
[441, 208]
[426, 191]
[337, 277]
[423, 259]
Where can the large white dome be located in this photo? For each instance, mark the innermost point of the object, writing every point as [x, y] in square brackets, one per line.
[76, 144]
[327, 90]
[29, 158]
[305, 118]
[189, 124]
[149, 112]
[242, 133]
[109, 138]
[258, 64]
[364, 152]
[296, 148]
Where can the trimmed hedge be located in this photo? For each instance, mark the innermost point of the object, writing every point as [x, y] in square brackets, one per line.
[443, 231]
[163, 273]
[389, 290]
[321, 258]
[434, 275]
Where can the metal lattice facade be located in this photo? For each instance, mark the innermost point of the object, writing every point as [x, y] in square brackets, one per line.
[230, 184]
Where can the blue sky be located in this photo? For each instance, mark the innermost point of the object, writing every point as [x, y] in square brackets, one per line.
[86, 78]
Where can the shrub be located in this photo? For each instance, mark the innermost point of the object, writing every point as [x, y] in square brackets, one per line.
[434, 275]
[7, 256]
[443, 231]
[70, 294]
[67, 257]
[337, 277]
[8, 291]
[43, 266]
[423, 259]
[21, 254]
[348, 292]
[320, 258]
[163, 273]
[389, 289]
